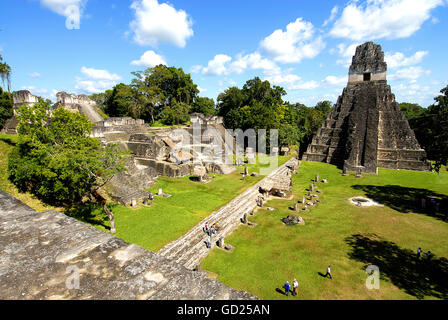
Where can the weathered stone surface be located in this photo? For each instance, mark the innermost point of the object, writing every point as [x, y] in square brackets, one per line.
[366, 127]
[38, 252]
[79, 103]
[131, 184]
[293, 220]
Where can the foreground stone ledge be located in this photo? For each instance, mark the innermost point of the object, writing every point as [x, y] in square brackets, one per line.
[37, 251]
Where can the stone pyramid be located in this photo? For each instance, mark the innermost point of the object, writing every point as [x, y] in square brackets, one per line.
[366, 129]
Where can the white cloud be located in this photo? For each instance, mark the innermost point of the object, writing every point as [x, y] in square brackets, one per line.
[222, 64]
[96, 80]
[97, 74]
[201, 90]
[149, 59]
[156, 23]
[34, 75]
[335, 81]
[253, 61]
[196, 69]
[294, 44]
[398, 59]
[377, 19]
[34, 90]
[411, 73]
[291, 81]
[216, 67]
[226, 82]
[346, 52]
[333, 14]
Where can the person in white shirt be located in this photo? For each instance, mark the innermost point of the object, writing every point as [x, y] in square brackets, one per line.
[328, 272]
[295, 285]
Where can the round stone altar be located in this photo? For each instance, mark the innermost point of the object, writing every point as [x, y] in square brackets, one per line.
[363, 202]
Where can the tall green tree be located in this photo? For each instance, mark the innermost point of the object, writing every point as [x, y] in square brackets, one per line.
[163, 87]
[56, 160]
[5, 73]
[6, 107]
[411, 110]
[431, 130]
[204, 105]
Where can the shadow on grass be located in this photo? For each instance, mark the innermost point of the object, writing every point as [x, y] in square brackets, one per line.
[417, 277]
[406, 200]
[282, 292]
[8, 141]
[91, 213]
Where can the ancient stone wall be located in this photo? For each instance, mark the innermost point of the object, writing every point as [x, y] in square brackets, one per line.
[20, 98]
[42, 252]
[79, 103]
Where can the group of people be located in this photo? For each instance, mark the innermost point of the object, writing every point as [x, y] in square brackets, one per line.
[287, 287]
[260, 200]
[295, 284]
[433, 204]
[210, 231]
[427, 254]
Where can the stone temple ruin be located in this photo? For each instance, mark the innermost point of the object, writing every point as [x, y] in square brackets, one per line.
[366, 129]
[204, 146]
[71, 102]
[172, 152]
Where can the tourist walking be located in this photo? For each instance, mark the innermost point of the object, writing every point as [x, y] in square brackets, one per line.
[419, 253]
[286, 287]
[428, 255]
[328, 272]
[295, 285]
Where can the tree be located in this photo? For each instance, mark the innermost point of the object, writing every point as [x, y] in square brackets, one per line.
[431, 130]
[163, 87]
[5, 73]
[411, 110]
[324, 107]
[6, 107]
[122, 102]
[175, 114]
[101, 99]
[56, 160]
[204, 105]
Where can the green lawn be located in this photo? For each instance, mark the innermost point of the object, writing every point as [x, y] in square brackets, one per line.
[169, 218]
[347, 237]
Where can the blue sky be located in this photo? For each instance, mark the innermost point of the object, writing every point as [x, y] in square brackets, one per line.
[87, 46]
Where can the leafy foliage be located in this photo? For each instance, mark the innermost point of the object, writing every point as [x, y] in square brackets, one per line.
[411, 110]
[158, 93]
[56, 160]
[204, 105]
[6, 104]
[431, 130]
[259, 106]
[5, 72]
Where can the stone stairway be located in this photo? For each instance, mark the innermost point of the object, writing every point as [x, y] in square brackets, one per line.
[190, 249]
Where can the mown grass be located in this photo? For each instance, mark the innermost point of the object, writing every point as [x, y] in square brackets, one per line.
[169, 218]
[347, 237]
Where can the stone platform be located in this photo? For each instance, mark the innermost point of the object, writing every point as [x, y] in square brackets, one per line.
[39, 251]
